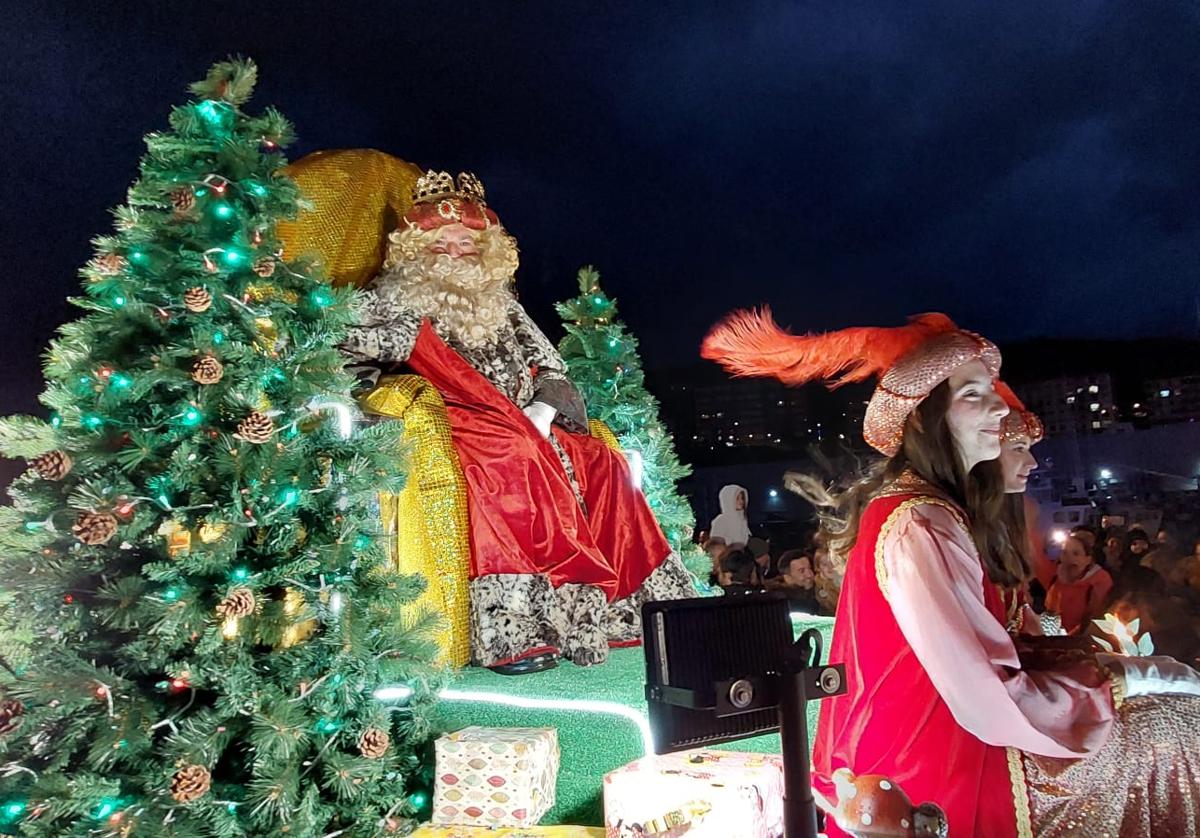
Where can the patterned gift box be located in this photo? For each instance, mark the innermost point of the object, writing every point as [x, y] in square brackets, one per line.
[705, 794]
[489, 776]
[505, 832]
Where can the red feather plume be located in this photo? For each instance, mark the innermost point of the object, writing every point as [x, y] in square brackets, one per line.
[750, 343]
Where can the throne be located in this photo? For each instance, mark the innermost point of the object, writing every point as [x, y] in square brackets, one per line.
[357, 197]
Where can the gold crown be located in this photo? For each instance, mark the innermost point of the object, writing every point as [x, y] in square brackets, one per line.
[434, 186]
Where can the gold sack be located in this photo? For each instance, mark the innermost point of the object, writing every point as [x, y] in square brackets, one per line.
[358, 197]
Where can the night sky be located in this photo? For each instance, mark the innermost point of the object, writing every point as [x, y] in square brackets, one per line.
[1031, 168]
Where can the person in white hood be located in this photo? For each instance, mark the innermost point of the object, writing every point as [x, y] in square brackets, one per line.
[732, 525]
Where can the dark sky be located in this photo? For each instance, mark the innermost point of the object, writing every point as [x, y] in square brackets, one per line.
[1031, 168]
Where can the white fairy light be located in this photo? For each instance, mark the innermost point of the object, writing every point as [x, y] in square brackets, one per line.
[345, 419]
[609, 708]
[637, 467]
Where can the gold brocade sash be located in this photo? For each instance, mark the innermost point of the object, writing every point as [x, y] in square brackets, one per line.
[427, 521]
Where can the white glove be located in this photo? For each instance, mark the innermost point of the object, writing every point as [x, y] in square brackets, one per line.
[1156, 675]
[542, 416]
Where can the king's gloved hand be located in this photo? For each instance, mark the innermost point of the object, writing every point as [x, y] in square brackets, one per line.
[542, 416]
[1155, 675]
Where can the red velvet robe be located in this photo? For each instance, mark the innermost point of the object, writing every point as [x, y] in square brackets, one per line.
[524, 517]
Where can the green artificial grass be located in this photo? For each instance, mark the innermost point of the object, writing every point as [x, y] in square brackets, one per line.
[591, 744]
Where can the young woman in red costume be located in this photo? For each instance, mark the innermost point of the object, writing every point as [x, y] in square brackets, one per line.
[938, 699]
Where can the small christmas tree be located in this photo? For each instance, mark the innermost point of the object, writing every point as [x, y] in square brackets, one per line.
[197, 609]
[602, 359]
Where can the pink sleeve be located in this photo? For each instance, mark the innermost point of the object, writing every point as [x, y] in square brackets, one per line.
[935, 587]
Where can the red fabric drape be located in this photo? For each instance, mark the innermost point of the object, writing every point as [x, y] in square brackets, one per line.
[892, 721]
[524, 517]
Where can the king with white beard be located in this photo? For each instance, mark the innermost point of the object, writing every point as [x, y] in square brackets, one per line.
[564, 548]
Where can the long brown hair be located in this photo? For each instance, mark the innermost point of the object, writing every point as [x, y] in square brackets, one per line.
[930, 452]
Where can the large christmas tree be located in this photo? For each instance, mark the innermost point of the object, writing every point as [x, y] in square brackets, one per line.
[197, 612]
[602, 359]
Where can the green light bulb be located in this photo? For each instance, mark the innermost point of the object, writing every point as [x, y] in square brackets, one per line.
[222, 210]
[258, 189]
[105, 808]
[232, 256]
[120, 381]
[328, 726]
[289, 496]
[321, 297]
[138, 256]
[362, 542]
[598, 300]
[55, 420]
[33, 526]
[211, 112]
[218, 338]
[118, 301]
[13, 810]
[240, 574]
[91, 421]
[191, 418]
[418, 799]
[171, 594]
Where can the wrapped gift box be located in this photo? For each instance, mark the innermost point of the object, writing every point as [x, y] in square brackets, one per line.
[703, 794]
[506, 832]
[489, 776]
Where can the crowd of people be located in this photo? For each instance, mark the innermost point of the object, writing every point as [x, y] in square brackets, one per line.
[744, 563]
[1110, 570]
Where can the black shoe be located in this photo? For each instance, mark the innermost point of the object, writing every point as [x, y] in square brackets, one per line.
[537, 663]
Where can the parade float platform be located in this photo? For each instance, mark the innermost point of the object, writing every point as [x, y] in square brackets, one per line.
[596, 711]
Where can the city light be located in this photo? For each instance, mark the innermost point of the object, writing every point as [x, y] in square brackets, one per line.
[774, 493]
[1106, 474]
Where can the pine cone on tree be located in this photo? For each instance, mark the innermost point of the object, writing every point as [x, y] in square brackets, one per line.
[183, 201]
[190, 783]
[109, 264]
[95, 528]
[207, 370]
[256, 428]
[373, 743]
[239, 602]
[53, 465]
[11, 712]
[265, 266]
[197, 299]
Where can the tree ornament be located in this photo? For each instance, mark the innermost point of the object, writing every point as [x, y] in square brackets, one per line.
[213, 532]
[207, 370]
[265, 266]
[53, 465]
[190, 783]
[11, 712]
[197, 299]
[183, 200]
[95, 528]
[109, 264]
[256, 428]
[373, 743]
[240, 602]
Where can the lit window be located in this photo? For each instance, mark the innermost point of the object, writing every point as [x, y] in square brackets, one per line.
[1070, 400]
[1166, 394]
[1095, 426]
[1093, 389]
[1094, 406]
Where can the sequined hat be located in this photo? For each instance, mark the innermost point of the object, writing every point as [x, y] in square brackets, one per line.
[1020, 423]
[438, 200]
[909, 360]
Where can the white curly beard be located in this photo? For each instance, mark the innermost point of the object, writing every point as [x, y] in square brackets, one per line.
[465, 298]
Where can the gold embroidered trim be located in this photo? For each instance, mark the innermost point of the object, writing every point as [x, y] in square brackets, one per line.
[1116, 682]
[1020, 794]
[921, 500]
